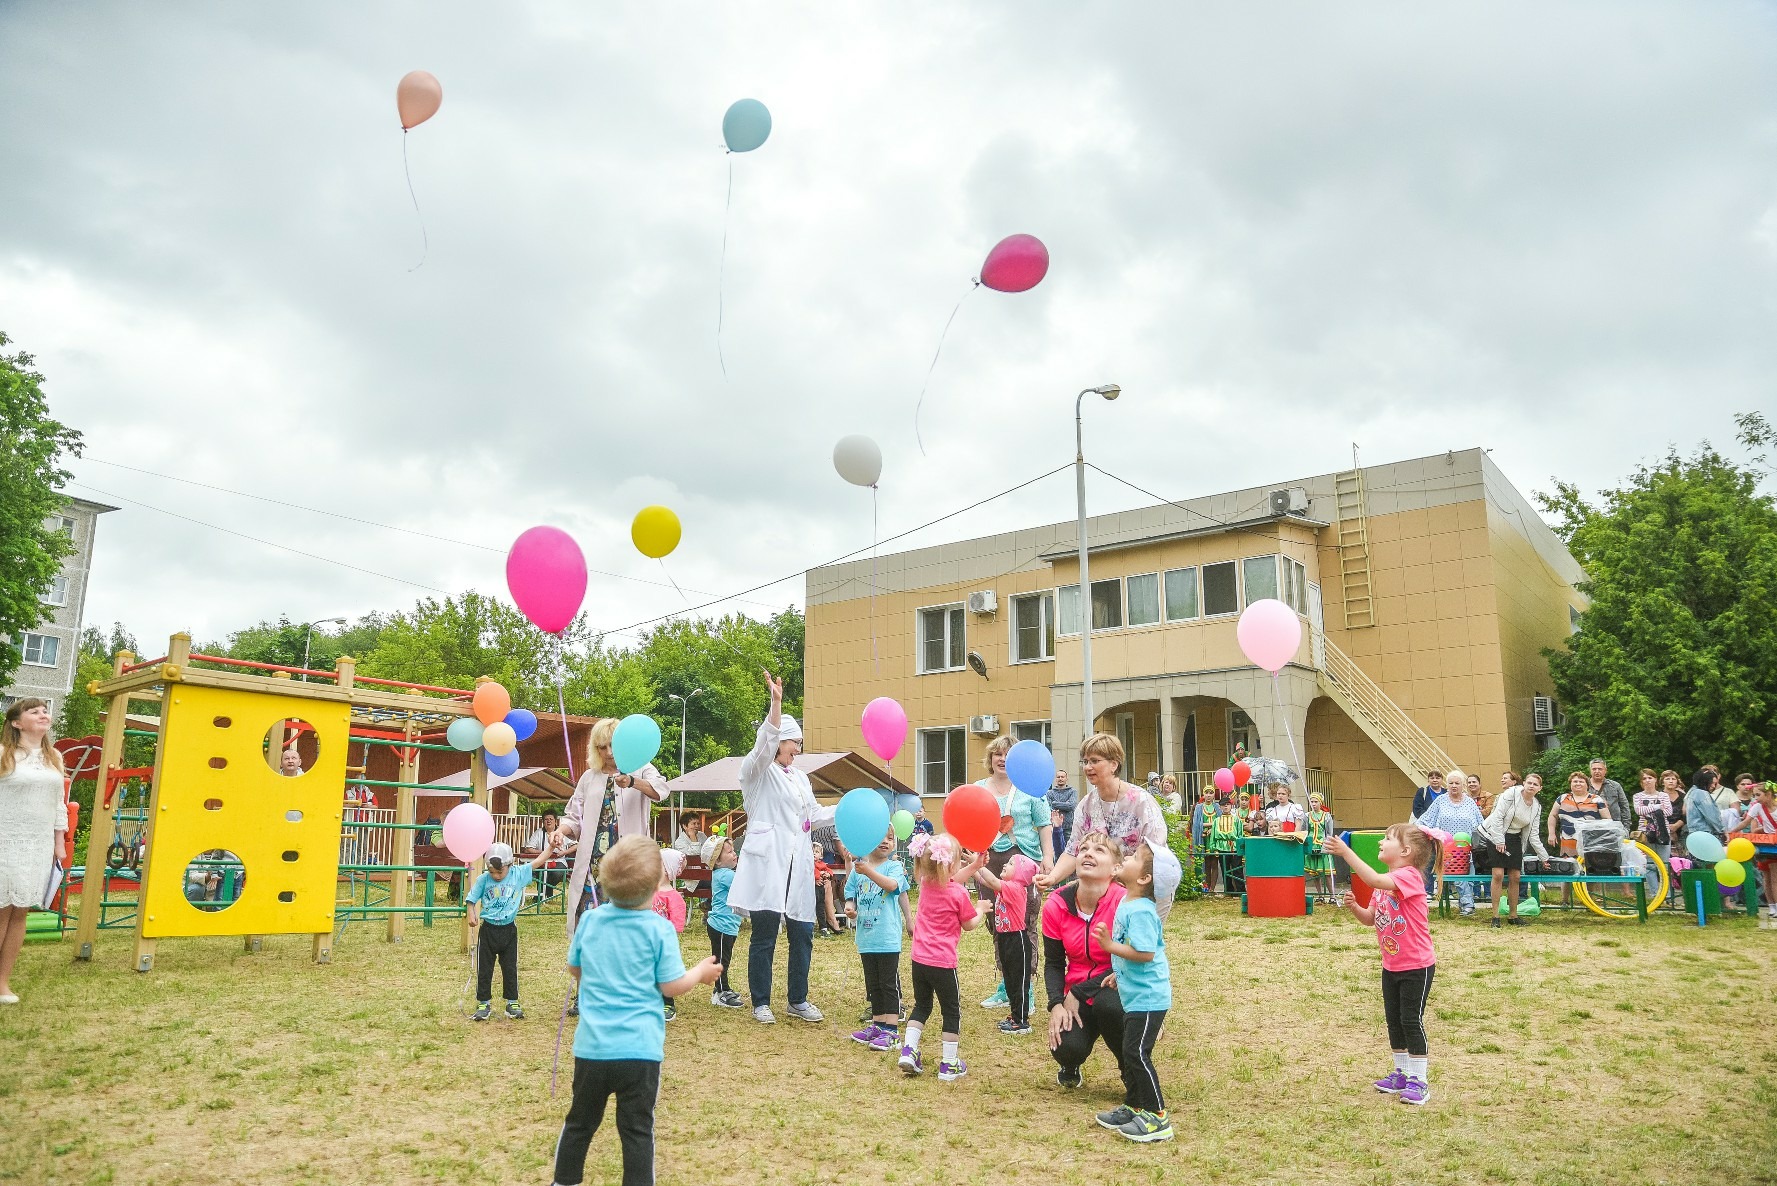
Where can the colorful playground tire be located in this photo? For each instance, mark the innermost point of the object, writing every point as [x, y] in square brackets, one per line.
[1618, 902]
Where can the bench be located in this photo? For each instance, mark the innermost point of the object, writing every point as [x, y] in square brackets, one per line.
[1624, 879]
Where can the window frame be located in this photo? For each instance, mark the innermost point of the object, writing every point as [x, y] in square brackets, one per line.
[1062, 589]
[955, 612]
[1246, 597]
[962, 775]
[24, 645]
[1045, 732]
[1047, 614]
[1092, 603]
[1196, 595]
[49, 597]
[1203, 587]
[1129, 605]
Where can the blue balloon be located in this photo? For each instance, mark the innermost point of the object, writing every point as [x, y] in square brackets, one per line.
[523, 722]
[465, 734]
[862, 819]
[1706, 848]
[1031, 767]
[634, 742]
[746, 125]
[502, 764]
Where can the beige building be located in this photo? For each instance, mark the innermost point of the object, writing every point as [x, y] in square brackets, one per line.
[1428, 589]
[51, 648]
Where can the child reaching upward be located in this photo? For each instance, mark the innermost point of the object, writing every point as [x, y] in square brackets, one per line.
[669, 904]
[494, 900]
[1010, 922]
[1137, 948]
[945, 912]
[1400, 912]
[874, 892]
[722, 923]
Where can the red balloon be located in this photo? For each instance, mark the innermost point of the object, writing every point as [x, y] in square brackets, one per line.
[1243, 773]
[972, 815]
[1016, 263]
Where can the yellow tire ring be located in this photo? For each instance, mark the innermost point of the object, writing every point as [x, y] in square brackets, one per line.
[1654, 900]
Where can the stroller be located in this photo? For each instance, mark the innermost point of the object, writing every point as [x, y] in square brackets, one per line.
[1601, 847]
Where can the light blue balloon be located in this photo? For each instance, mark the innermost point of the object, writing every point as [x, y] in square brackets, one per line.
[503, 764]
[862, 819]
[746, 125]
[1706, 848]
[634, 742]
[465, 734]
[1031, 767]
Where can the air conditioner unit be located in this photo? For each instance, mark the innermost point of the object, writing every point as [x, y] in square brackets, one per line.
[984, 602]
[1543, 714]
[1291, 501]
[987, 725]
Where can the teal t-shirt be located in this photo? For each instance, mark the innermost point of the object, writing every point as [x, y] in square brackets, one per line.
[500, 900]
[1028, 812]
[721, 918]
[879, 910]
[624, 956]
[1143, 988]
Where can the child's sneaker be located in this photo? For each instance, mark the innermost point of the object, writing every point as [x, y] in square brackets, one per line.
[867, 1035]
[909, 1061]
[1417, 1091]
[806, 1012]
[484, 1011]
[1396, 1080]
[999, 999]
[763, 1015]
[1117, 1117]
[1148, 1127]
[950, 1072]
[1008, 1026]
[672, 1011]
[1069, 1077]
[514, 1011]
[884, 1041]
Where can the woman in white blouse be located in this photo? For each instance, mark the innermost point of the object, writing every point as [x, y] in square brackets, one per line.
[32, 823]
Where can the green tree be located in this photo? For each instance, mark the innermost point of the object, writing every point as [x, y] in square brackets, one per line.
[32, 447]
[282, 642]
[1675, 660]
[449, 643]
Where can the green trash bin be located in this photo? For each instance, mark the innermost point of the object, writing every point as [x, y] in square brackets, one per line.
[1266, 857]
[1688, 881]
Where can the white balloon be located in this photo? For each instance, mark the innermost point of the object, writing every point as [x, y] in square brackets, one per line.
[858, 460]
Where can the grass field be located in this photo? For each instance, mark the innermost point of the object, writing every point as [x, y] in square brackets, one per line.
[1573, 1051]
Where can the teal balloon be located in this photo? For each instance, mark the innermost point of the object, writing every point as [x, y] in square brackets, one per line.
[1705, 848]
[634, 742]
[746, 126]
[862, 819]
[465, 734]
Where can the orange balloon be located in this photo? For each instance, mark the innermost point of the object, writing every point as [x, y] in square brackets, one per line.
[417, 97]
[492, 703]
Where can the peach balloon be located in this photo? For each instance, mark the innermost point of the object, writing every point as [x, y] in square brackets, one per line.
[491, 703]
[417, 97]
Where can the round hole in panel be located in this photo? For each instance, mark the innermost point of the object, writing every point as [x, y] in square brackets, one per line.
[219, 763]
[291, 747]
[291, 855]
[222, 722]
[293, 816]
[214, 880]
[212, 805]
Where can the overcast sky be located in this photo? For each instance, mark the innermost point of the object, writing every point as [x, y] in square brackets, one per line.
[1545, 229]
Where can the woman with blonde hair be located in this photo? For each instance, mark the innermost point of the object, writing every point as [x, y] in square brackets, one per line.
[607, 790]
[1455, 811]
[1118, 809]
[31, 816]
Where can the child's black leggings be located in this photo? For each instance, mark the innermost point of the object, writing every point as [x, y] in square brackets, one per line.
[942, 983]
[882, 982]
[1015, 968]
[1141, 1082]
[497, 943]
[636, 1084]
[1403, 1002]
[722, 947]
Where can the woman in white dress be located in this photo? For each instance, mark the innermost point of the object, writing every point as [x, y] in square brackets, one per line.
[32, 822]
[601, 790]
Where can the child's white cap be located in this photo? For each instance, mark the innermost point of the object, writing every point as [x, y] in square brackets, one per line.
[674, 862]
[710, 848]
[501, 853]
[1167, 874]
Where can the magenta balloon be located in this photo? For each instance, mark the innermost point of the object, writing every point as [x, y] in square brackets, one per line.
[468, 830]
[547, 576]
[1224, 779]
[885, 727]
[1016, 263]
[1269, 633]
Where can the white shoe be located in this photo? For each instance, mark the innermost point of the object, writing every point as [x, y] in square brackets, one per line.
[763, 1015]
[806, 1012]
[7, 998]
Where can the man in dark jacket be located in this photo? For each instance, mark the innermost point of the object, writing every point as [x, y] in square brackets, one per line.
[1422, 798]
[1611, 791]
[1063, 799]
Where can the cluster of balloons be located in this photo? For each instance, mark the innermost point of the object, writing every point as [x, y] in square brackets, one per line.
[496, 728]
[1730, 871]
[1237, 775]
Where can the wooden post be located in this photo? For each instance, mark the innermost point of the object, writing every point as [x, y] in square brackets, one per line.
[405, 798]
[104, 825]
[478, 793]
[142, 958]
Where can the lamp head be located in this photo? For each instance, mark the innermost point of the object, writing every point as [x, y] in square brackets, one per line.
[1109, 391]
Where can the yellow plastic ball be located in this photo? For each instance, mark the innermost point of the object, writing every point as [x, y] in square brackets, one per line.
[655, 532]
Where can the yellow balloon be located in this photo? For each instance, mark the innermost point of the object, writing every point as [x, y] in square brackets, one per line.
[655, 532]
[1741, 849]
[1729, 873]
[499, 739]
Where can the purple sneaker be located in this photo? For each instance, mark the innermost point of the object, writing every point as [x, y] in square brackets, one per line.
[909, 1061]
[884, 1041]
[950, 1072]
[1417, 1091]
[868, 1035]
[1394, 1084]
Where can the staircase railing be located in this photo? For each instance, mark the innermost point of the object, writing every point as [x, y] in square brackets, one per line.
[1385, 722]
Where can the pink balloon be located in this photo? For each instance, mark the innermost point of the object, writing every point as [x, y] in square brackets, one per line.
[1269, 633]
[1224, 779]
[547, 576]
[468, 830]
[417, 97]
[1016, 263]
[885, 727]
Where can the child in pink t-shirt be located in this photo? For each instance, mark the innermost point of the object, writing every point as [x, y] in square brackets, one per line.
[1401, 914]
[945, 912]
[669, 904]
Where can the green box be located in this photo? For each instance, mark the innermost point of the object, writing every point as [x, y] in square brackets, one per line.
[1368, 845]
[1266, 857]
[1687, 886]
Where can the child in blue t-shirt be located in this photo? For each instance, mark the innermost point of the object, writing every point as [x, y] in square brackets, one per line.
[1137, 948]
[722, 923]
[623, 958]
[494, 900]
[874, 892]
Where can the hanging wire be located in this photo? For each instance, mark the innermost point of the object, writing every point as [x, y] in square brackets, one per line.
[722, 270]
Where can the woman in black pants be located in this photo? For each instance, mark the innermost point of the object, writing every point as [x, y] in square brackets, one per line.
[1081, 1009]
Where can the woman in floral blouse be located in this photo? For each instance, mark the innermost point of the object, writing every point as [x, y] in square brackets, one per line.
[1121, 810]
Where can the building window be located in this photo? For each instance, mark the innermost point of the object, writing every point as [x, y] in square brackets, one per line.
[1067, 604]
[1241, 732]
[1144, 599]
[1181, 594]
[1295, 585]
[941, 639]
[1221, 594]
[1032, 731]
[1033, 627]
[1107, 606]
[62, 524]
[1261, 578]
[943, 760]
[58, 592]
[1125, 726]
[40, 649]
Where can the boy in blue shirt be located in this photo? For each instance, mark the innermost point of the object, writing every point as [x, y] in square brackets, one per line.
[875, 893]
[1137, 948]
[623, 958]
[493, 908]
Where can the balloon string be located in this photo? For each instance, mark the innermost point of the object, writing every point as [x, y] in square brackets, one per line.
[425, 240]
[561, 705]
[973, 285]
[722, 269]
[875, 532]
[675, 584]
[1277, 701]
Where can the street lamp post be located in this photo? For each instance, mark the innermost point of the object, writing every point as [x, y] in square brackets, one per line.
[308, 633]
[1109, 391]
[684, 708]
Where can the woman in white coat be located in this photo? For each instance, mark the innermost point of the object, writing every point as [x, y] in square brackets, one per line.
[600, 790]
[775, 880]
